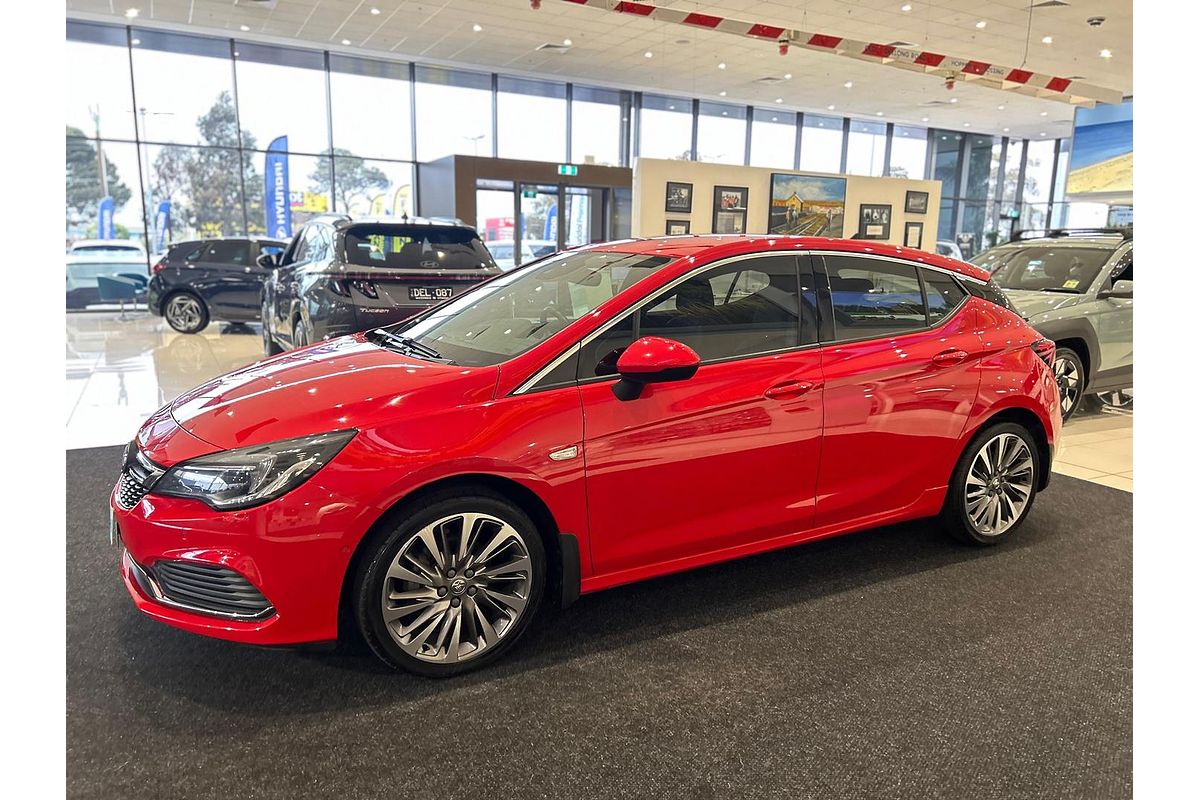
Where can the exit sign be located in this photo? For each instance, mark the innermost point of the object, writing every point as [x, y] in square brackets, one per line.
[568, 169]
[529, 193]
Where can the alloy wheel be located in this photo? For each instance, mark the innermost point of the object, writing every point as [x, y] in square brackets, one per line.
[1067, 375]
[999, 484]
[183, 312]
[457, 587]
[1118, 398]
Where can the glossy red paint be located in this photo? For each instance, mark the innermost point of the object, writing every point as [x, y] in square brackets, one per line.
[653, 354]
[747, 455]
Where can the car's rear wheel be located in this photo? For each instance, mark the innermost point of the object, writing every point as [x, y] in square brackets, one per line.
[1120, 399]
[185, 312]
[270, 348]
[993, 485]
[1069, 375]
[453, 586]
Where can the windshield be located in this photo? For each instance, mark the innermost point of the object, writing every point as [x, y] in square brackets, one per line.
[509, 315]
[416, 247]
[1045, 268]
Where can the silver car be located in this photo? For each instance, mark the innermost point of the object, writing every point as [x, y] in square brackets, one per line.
[1076, 288]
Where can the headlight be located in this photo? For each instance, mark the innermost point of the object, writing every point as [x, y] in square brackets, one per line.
[250, 476]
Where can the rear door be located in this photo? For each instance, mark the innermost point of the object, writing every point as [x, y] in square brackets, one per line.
[901, 376]
[725, 459]
[234, 281]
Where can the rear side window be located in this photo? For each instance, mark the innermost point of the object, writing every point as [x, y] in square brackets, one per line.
[990, 292]
[416, 247]
[187, 251]
[873, 298]
[943, 294]
[227, 251]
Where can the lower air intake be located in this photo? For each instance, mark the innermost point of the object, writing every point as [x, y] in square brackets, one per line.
[211, 589]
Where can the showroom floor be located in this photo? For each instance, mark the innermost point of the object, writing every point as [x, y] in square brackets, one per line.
[120, 371]
[891, 663]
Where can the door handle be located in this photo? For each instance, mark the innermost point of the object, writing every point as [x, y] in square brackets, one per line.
[787, 389]
[948, 358]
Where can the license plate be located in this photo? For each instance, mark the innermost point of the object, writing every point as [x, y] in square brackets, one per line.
[429, 292]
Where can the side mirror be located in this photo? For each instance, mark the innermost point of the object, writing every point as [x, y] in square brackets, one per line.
[1121, 290]
[653, 359]
[268, 261]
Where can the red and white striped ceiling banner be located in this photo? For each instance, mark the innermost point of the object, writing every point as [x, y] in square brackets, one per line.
[1011, 79]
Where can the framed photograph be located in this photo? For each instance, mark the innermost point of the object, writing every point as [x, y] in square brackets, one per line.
[808, 205]
[729, 209]
[916, 202]
[874, 221]
[912, 234]
[679, 227]
[679, 197]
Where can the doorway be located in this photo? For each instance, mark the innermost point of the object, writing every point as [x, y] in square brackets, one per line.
[520, 221]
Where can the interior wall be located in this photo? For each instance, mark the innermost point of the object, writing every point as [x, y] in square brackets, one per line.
[650, 176]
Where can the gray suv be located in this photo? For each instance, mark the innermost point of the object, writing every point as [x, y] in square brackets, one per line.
[1076, 288]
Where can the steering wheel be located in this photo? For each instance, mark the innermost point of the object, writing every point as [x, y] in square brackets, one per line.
[550, 311]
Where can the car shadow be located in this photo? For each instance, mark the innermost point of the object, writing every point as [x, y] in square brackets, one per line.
[265, 684]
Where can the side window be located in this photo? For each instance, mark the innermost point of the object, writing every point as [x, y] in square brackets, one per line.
[192, 252]
[227, 251]
[1123, 271]
[942, 293]
[598, 358]
[318, 243]
[757, 310]
[874, 298]
[299, 248]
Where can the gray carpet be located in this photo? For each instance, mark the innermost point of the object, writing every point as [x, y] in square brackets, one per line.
[893, 663]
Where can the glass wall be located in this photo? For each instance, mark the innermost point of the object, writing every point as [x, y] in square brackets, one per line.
[598, 119]
[821, 144]
[909, 146]
[773, 139]
[454, 113]
[866, 148]
[531, 119]
[665, 128]
[721, 133]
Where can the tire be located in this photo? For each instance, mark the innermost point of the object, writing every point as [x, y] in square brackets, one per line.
[270, 348]
[449, 597]
[185, 312]
[1116, 399]
[1071, 380]
[963, 518]
[300, 335]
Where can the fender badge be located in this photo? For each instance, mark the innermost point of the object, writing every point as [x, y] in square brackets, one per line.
[566, 454]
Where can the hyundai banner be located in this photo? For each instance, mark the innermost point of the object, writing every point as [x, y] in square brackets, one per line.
[276, 195]
[162, 223]
[104, 219]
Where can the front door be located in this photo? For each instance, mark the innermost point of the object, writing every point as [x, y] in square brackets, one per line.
[1113, 318]
[726, 458]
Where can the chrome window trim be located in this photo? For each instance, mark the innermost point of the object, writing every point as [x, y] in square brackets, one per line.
[897, 260]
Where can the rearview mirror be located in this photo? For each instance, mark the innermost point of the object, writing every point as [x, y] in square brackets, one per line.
[653, 359]
[1121, 290]
[268, 260]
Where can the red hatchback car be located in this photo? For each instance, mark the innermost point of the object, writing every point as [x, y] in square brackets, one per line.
[605, 415]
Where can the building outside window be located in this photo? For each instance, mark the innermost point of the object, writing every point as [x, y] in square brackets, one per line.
[866, 148]
[721, 135]
[821, 144]
[665, 128]
[531, 119]
[773, 139]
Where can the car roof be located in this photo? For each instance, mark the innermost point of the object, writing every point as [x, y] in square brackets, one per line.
[340, 221]
[722, 246]
[1111, 242]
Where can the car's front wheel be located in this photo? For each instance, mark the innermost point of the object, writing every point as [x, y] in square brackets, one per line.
[270, 348]
[993, 486]
[1069, 375]
[300, 334]
[452, 586]
[185, 312]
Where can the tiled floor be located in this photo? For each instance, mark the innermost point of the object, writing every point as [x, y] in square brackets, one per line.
[120, 371]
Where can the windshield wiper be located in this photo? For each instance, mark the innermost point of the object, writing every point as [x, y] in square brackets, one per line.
[1059, 289]
[411, 346]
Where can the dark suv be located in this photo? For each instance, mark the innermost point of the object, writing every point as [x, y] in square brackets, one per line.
[198, 281]
[341, 275]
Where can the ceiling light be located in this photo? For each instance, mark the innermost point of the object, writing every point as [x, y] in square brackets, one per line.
[1044, 113]
[346, 42]
[787, 76]
[906, 7]
[648, 54]
[778, 99]
[879, 113]
[723, 93]
[724, 113]
[1047, 40]
[774, 119]
[721, 65]
[568, 42]
[953, 99]
[670, 108]
[924, 119]
[130, 13]
[477, 27]
[966, 124]
[849, 84]
[1043, 133]
[981, 24]
[136, 42]
[1006, 130]
[244, 27]
[999, 108]
[1106, 53]
[831, 107]
[375, 11]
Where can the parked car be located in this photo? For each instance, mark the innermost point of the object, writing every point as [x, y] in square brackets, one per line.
[610, 414]
[85, 269]
[118, 246]
[1076, 288]
[948, 249]
[531, 249]
[340, 275]
[195, 282]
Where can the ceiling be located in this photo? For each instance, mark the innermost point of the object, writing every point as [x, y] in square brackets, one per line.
[609, 48]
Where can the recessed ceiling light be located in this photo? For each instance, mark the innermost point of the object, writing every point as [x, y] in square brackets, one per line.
[981, 24]
[849, 84]
[778, 99]
[999, 108]
[721, 65]
[648, 54]
[375, 11]
[906, 7]
[724, 113]
[787, 76]
[1047, 40]
[723, 93]
[477, 27]
[966, 124]
[1006, 130]
[831, 107]
[568, 42]
[244, 27]
[953, 99]
[670, 108]
[774, 119]
[130, 13]
[1106, 53]
[924, 119]
[136, 42]
[1044, 113]
[879, 113]
[1043, 133]
[346, 42]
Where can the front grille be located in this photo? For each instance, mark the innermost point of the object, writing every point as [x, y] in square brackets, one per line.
[138, 475]
[209, 588]
[129, 491]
